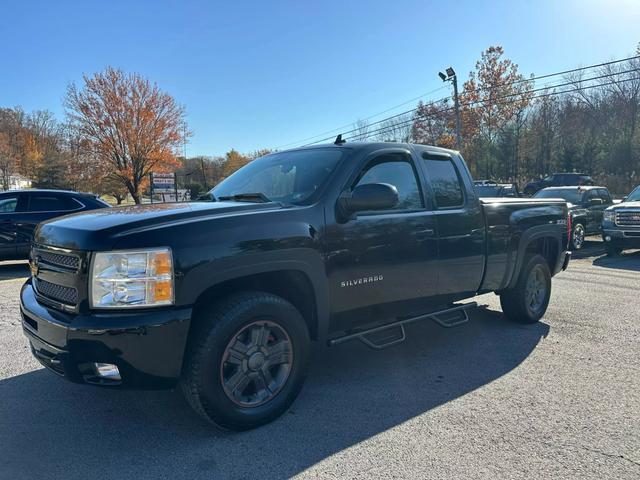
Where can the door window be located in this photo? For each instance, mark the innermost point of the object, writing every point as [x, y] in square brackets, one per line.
[604, 194]
[445, 182]
[8, 204]
[52, 203]
[398, 171]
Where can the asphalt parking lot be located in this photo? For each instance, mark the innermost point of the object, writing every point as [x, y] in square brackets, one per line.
[489, 399]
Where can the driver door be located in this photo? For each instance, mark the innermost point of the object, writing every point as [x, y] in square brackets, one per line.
[382, 264]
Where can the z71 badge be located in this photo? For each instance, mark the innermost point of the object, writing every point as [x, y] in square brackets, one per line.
[361, 281]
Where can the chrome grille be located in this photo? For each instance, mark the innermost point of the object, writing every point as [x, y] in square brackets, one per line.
[628, 218]
[62, 260]
[59, 293]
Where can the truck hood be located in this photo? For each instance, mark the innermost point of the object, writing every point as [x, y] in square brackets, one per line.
[623, 205]
[99, 229]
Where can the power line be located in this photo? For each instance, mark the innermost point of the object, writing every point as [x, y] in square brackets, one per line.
[364, 119]
[547, 94]
[530, 79]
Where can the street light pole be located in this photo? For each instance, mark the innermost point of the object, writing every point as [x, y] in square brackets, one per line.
[453, 78]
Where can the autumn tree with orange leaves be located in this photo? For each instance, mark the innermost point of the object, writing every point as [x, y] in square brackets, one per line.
[494, 96]
[129, 124]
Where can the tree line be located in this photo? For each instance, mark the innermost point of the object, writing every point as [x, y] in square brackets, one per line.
[119, 127]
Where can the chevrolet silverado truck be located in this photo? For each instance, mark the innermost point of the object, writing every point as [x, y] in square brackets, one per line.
[586, 210]
[621, 224]
[327, 243]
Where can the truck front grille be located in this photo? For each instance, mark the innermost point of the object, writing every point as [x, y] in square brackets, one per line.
[628, 218]
[59, 276]
[59, 293]
[62, 260]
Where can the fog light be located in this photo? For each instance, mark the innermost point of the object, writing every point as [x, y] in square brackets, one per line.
[107, 370]
[607, 238]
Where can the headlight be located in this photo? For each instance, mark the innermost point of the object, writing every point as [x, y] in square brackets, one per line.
[609, 215]
[136, 278]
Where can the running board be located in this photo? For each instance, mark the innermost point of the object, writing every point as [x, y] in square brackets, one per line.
[393, 333]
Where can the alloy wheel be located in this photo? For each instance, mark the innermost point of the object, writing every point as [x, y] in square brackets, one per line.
[256, 363]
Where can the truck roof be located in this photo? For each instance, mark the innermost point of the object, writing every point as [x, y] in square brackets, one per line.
[374, 145]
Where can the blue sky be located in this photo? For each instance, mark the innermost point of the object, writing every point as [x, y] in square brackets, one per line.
[256, 74]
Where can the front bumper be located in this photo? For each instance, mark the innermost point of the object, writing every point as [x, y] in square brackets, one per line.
[623, 238]
[147, 345]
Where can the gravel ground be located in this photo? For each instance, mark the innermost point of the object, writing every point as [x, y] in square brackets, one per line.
[488, 399]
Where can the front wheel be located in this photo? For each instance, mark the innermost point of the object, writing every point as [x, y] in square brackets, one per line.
[527, 301]
[577, 236]
[247, 360]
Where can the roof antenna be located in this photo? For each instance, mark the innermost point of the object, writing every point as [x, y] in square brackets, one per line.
[339, 140]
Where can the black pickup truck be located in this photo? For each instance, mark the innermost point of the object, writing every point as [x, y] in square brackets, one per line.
[328, 243]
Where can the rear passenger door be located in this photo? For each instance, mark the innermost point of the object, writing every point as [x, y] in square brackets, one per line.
[42, 206]
[460, 225]
[12, 206]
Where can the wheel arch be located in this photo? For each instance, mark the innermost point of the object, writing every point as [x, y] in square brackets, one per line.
[546, 240]
[291, 282]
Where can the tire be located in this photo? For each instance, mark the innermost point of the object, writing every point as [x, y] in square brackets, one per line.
[578, 234]
[517, 302]
[246, 360]
[613, 250]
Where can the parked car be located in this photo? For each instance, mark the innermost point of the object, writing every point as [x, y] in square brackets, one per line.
[558, 180]
[586, 209]
[621, 224]
[329, 243]
[22, 210]
[492, 189]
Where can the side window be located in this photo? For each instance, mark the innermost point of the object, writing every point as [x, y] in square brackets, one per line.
[604, 194]
[398, 171]
[51, 203]
[8, 204]
[589, 195]
[445, 182]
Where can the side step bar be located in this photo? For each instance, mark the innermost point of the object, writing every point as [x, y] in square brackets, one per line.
[393, 333]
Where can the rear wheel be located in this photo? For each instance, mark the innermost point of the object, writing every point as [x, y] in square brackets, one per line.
[577, 236]
[527, 301]
[247, 360]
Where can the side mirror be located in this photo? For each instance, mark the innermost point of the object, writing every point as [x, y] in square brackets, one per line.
[594, 201]
[370, 196]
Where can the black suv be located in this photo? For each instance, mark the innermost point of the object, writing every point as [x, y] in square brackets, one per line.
[586, 209]
[22, 210]
[558, 180]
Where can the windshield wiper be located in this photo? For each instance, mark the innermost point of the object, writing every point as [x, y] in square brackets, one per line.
[247, 197]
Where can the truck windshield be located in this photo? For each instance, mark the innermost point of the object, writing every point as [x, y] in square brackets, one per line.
[289, 177]
[634, 196]
[571, 195]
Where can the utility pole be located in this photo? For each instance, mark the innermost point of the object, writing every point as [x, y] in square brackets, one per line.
[451, 76]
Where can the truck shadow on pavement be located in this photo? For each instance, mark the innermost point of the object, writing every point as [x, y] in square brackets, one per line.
[13, 270]
[48, 425]
[625, 261]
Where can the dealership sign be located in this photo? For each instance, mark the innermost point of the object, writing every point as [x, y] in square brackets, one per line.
[163, 182]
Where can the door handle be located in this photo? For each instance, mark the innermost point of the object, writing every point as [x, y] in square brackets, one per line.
[426, 233]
